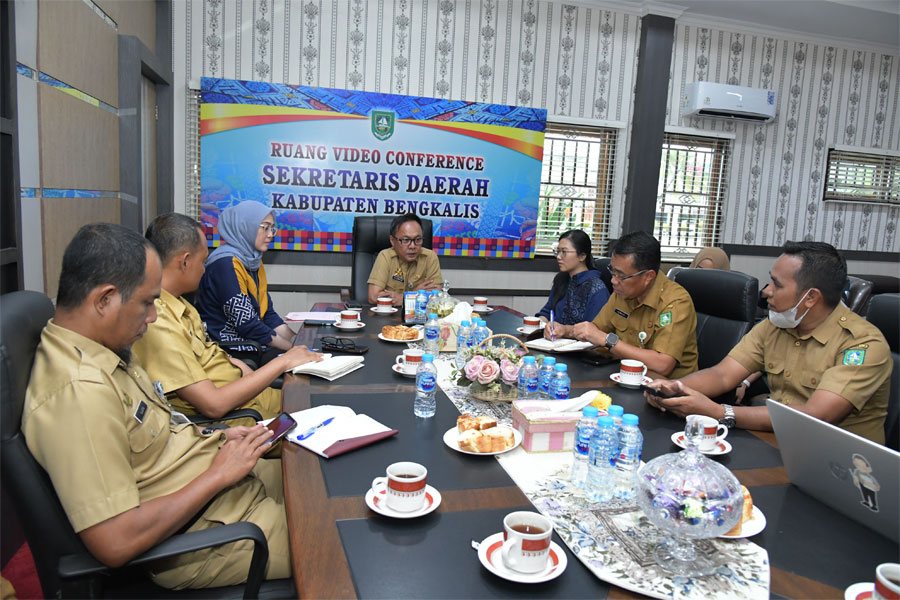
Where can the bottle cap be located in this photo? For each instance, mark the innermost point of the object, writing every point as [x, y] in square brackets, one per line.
[529, 360]
[615, 410]
[630, 419]
[589, 411]
[549, 360]
[463, 323]
[561, 367]
[605, 422]
[428, 358]
[432, 316]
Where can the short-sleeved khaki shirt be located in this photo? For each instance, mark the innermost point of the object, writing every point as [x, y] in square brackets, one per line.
[666, 315]
[391, 274]
[845, 355]
[106, 439]
[176, 351]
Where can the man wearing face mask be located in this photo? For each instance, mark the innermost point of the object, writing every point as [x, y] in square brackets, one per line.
[818, 356]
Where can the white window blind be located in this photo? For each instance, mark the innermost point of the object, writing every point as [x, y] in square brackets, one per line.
[862, 177]
[691, 194]
[192, 160]
[576, 184]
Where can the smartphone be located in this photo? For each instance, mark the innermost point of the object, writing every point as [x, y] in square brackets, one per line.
[352, 305]
[658, 393]
[280, 426]
[596, 361]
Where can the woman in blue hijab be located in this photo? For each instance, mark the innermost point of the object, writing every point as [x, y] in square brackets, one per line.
[233, 299]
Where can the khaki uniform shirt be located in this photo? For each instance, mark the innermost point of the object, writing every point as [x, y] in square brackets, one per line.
[845, 355]
[667, 317]
[176, 351]
[389, 273]
[98, 428]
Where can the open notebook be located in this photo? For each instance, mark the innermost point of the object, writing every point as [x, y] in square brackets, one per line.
[330, 367]
[345, 432]
[560, 345]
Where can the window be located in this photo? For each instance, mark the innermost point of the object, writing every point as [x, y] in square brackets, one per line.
[576, 184]
[855, 176]
[691, 194]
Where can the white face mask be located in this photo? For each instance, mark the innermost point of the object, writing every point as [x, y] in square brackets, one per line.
[788, 319]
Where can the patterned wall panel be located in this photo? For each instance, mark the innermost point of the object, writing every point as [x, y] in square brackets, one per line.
[826, 95]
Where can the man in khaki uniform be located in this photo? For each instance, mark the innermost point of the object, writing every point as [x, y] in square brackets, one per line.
[197, 376]
[648, 318]
[406, 266]
[128, 470]
[818, 356]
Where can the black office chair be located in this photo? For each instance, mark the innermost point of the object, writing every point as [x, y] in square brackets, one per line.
[65, 567]
[884, 313]
[856, 293]
[881, 284]
[371, 235]
[602, 265]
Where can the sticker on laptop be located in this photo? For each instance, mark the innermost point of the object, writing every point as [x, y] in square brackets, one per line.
[865, 481]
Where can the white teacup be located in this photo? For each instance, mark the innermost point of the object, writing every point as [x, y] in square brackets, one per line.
[404, 486]
[480, 303]
[526, 541]
[887, 582]
[631, 372]
[410, 359]
[349, 318]
[384, 303]
[530, 324]
[713, 431]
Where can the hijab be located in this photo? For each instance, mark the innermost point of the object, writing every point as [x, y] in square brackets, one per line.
[716, 255]
[238, 226]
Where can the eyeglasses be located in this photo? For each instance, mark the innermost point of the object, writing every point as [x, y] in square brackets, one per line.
[621, 276]
[407, 241]
[269, 228]
[336, 343]
[563, 252]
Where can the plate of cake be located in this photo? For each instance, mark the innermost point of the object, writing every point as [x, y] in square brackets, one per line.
[481, 435]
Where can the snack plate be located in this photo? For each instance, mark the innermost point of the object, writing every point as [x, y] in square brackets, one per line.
[755, 525]
[377, 503]
[490, 557]
[396, 368]
[381, 311]
[722, 446]
[416, 339]
[452, 435]
[615, 377]
[354, 327]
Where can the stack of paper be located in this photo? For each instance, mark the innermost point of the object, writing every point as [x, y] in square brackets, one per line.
[318, 317]
[564, 344]
[345, 430]
[330, 367]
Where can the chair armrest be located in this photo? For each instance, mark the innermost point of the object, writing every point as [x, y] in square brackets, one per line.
[74, 566]
[257, 348]
[240, 413]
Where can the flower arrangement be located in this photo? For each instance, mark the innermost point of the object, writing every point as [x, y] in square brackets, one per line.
[491, 373]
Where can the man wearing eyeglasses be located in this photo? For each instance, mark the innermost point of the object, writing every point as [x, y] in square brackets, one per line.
[406, 266]
[649, 317]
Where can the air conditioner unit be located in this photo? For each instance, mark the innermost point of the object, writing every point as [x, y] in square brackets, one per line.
[718, 100]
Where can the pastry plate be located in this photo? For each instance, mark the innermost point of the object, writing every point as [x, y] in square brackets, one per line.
[399, 371]
[755, 525]
[354, 327]
[615, 377]
[416, 339]
[377, 503]
[489, 555]
[381, 311]
[722, 446]
[453, 434]
[863, 590]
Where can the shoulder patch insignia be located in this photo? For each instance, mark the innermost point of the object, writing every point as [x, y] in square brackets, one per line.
[854, 356]
[665, 318]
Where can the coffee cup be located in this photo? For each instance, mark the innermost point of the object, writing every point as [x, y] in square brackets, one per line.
[480, 303]
[404, 486]
[349, 318]
[711, 431]
[526, 541]
[530, 324]
[887, 582]
[384, 303]
[410, 359]
[631, 372]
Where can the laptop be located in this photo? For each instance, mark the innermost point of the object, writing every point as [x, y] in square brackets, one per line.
[854, 476]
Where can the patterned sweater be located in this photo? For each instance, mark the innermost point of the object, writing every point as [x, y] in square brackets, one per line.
[583, 299]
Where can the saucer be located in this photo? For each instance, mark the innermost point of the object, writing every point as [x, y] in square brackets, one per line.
[388, 311]
[523, 332]
[432, 501]
[399, 371]
[755, 525]
[358, 325]
[722, 446]
[489, 555]
[615, 377]
[860, 591]
[486, 309]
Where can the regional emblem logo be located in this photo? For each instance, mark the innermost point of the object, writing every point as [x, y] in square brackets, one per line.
[382, 124]
[854, 356]
[665, 319]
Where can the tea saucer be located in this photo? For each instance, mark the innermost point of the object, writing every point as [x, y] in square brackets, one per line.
[432, 501]
[486, 309]
[615, 377]
[523, 332]
[389, 311]
[863, 590]
[755, 525]
[357, 325]
[489, 555]
[400, 371]
[722, 446]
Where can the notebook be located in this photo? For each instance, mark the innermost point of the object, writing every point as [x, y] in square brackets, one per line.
[330, 367]
[339, 430]
[854, 476]
[560, 345]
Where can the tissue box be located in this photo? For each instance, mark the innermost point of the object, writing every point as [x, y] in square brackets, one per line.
[447, 337]
[544, 431]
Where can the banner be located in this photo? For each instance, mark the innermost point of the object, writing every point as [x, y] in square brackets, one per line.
[320, 157]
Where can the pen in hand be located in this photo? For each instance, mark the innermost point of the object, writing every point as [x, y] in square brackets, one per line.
[552, 328]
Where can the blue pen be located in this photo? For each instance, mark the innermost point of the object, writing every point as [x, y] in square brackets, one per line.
[552, 328]
[312, 430]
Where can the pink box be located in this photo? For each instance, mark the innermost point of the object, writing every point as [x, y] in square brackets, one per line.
[544, 431]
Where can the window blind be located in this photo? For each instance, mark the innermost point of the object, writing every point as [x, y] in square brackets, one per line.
[862, 177]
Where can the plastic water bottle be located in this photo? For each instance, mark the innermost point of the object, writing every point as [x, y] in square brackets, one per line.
[560, 383]
[600, 486]
[432, 331]
[479, 333]
[421, 303]
[631, 443]
[528, 379]
[545, 375]
[584, 429]
[462, 343]
[426, 387]
[615, 411]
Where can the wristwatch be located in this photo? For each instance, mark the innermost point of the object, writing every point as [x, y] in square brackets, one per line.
[611, 340]
[728, 420]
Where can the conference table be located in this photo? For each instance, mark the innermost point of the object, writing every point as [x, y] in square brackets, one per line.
[342, 549]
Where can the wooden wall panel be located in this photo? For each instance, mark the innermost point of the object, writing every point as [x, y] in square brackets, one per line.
[79, 143]
[61, 218]
[79, 48]
[134, 17]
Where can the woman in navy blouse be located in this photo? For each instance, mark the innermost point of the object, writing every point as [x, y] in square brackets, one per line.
[233, 298]
[578, 292]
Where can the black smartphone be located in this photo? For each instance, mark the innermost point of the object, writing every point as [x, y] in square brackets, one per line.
[280, 426]
[596, 361]
[352, 305]
[658, 393]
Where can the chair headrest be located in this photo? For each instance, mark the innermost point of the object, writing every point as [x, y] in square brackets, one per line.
[855, 293]
[726, 294]
[884, 313]
[372, 234]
